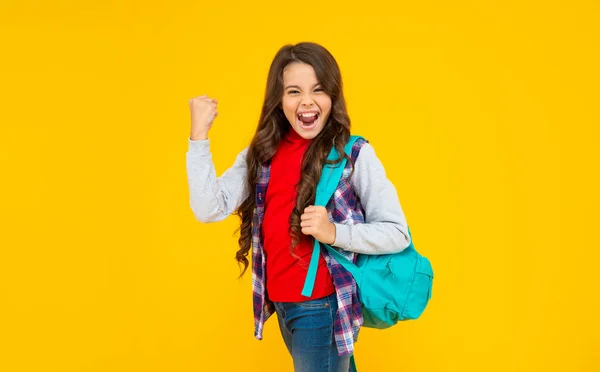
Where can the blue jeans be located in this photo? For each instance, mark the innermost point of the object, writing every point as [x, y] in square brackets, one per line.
[307, 330]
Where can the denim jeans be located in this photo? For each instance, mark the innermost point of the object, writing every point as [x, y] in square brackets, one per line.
[307, 330]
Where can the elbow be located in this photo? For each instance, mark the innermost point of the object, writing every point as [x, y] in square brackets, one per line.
[406, 238]
[202, 218]
[201, 215]
[205, 216]
[402, 239]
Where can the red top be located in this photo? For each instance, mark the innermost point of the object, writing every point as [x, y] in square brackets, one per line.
[285, 274]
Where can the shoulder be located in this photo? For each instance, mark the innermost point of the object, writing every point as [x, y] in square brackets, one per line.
[364, 158]
[241, 159]
[242, 154]
[358, 146]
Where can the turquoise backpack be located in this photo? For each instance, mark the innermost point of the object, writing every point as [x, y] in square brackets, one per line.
[391, 287]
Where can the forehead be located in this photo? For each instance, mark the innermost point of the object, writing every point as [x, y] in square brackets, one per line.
[297, 73]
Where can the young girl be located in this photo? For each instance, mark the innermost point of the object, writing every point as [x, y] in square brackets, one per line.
[271, 187]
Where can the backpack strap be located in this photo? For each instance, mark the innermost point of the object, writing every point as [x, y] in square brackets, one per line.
[330, 178]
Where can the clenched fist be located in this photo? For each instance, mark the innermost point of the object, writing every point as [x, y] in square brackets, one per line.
[203, 111]
[315, 221]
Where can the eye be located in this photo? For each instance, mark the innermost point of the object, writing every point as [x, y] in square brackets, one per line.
[293, 91]
[319, 90]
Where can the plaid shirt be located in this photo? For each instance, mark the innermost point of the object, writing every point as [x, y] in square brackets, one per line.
[344, 208]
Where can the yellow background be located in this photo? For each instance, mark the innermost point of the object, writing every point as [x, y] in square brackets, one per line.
[485, 115]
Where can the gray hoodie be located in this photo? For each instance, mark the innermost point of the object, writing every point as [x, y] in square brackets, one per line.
[385, 229]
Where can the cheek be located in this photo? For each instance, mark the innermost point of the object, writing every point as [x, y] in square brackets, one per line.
[289, 107]
[325, 104]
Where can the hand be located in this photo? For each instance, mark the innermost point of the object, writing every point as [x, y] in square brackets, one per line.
[315, 221]
[203, 111]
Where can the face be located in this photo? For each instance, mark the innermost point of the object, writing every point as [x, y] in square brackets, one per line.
[304, 102]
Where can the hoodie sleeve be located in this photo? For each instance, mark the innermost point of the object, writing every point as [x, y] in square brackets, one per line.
[214, 198]
[385, 229]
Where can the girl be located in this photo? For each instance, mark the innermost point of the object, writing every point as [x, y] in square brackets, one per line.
[271, 187]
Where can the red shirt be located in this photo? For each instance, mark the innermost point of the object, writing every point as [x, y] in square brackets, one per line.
[285, 274]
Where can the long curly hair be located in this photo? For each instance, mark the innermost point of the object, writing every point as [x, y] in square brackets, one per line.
[273, 126]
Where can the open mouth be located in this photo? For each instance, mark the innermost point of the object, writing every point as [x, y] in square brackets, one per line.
[308, 120]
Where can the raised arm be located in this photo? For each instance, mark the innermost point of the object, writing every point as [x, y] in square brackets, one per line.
[211, 199]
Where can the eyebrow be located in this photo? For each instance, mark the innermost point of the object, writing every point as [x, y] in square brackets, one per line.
[297, 87]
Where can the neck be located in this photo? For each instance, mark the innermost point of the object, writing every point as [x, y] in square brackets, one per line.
[294, 137]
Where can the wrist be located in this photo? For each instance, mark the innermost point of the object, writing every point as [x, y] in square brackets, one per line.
[332, 234]
[199, 137]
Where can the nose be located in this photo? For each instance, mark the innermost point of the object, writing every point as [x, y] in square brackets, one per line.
[307, 100]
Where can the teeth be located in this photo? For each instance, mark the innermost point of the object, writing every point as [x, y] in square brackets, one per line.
[308, 115]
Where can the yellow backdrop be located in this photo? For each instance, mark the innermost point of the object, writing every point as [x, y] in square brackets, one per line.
[485, 115]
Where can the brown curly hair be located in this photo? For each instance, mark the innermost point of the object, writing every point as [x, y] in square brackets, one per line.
[273, 126]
